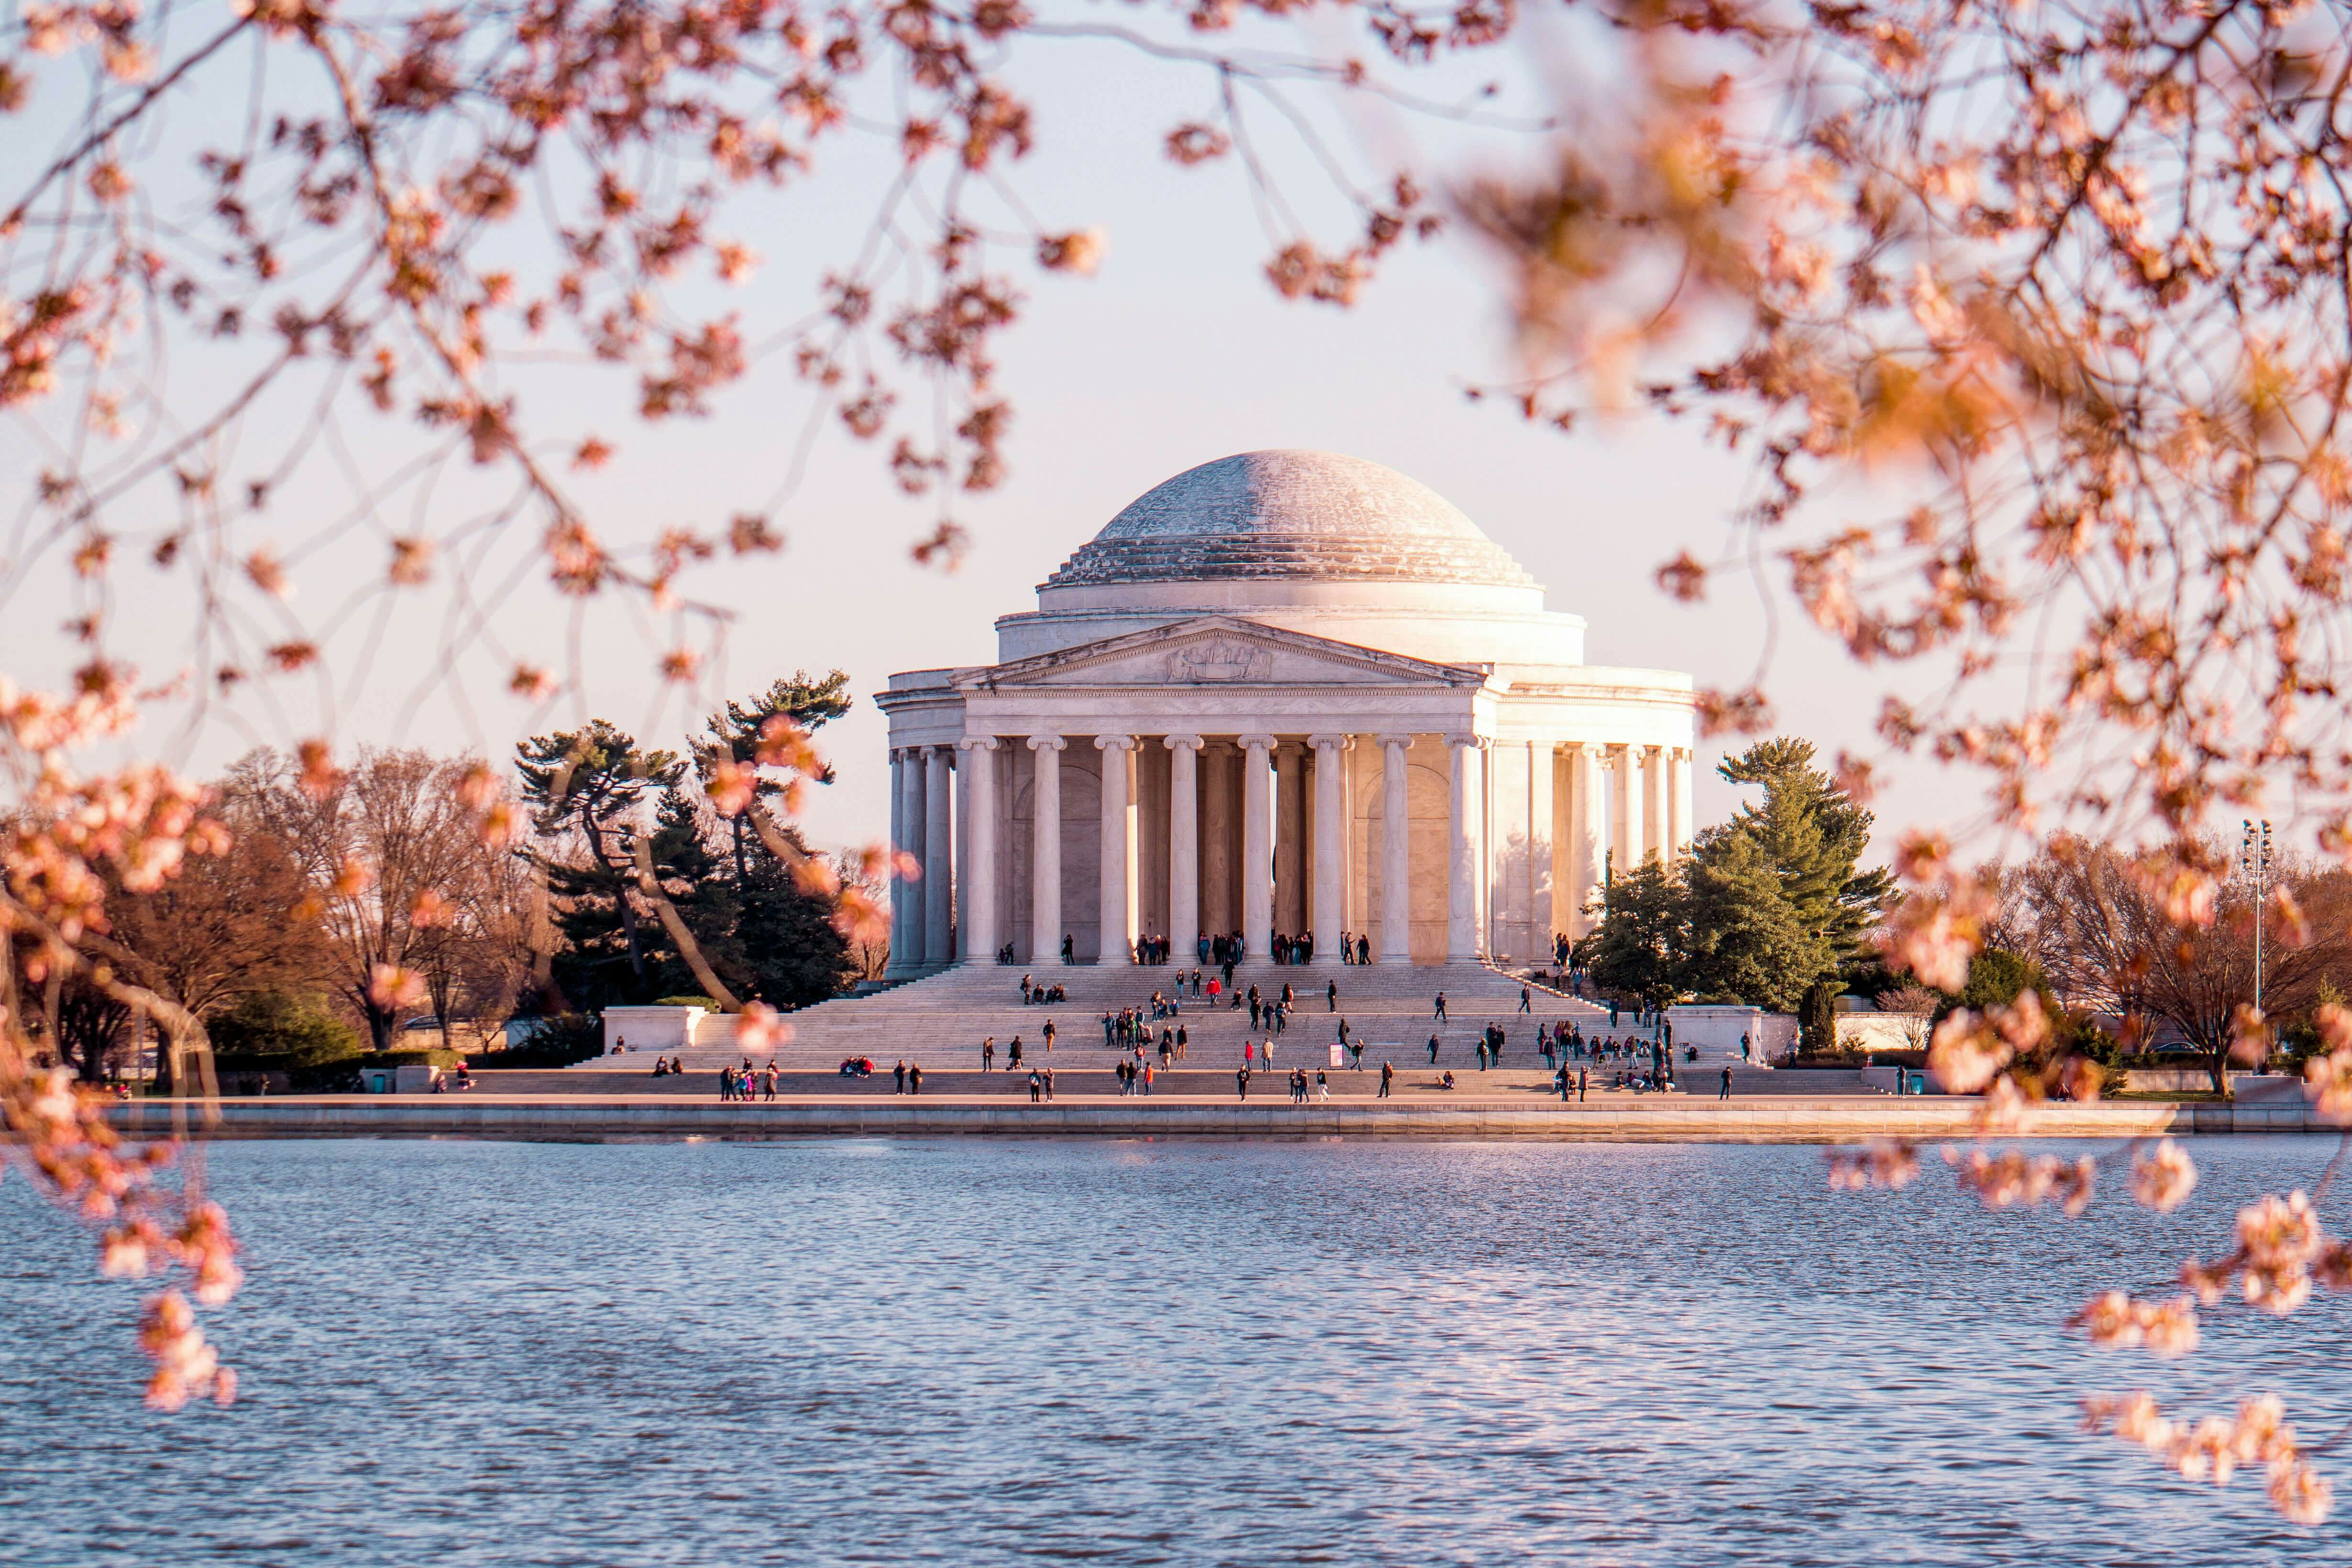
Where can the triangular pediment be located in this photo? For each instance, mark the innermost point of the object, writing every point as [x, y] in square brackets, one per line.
[1220, 650]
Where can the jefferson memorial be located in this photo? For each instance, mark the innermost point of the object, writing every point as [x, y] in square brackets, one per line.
[1282, 692]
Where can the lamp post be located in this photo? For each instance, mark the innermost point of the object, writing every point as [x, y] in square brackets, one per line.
[2255, 865]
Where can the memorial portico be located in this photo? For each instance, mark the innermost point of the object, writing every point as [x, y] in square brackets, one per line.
[1282, 694]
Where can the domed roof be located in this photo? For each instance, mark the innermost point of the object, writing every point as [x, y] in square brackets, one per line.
[1286, 514]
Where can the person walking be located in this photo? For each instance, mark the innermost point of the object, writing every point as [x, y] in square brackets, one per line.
[1388, 1077]
[1241, 1081]
[915, 1079]
[1725, 1093]
[1322, 1087]
[987, 1053]
[1331, 997]
[900, 1073]
[1049, 1037]
[1432, 1050]
[1439, 1013]
[1566, 1081]
[1525, 1000]
[1582, 1078]
[1049, 1084]
[1035, 1085]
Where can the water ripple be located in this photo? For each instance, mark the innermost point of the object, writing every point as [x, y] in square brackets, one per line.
[1139, 1352]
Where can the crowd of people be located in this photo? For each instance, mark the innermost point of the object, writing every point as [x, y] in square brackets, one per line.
[1033, 994]
[744, 1084]
[1153, 1037]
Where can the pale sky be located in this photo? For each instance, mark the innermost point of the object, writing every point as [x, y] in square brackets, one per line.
[1176, 352]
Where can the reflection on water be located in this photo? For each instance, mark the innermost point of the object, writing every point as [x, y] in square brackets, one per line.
[1133, 1352]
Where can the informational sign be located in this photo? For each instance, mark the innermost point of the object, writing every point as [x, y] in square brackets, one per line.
[1338, 1057]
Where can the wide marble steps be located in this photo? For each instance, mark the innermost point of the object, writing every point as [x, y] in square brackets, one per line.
[943, 1018]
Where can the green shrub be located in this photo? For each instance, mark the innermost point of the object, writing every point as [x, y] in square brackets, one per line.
[561, 1039]
[277, 1032]
[1817, 1019]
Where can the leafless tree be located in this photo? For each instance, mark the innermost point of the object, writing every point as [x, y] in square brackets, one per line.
[869, 949]
[381, 849]
[2107, 941]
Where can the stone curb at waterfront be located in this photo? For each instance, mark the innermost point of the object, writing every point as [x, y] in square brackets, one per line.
[1654, 1121]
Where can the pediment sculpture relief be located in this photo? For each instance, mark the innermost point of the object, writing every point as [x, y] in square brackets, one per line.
[1221, 659]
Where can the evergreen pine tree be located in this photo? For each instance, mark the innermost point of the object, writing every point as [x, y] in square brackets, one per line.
[1813, 834]
[591, 782]
[1745, 940]
[1639, 948]
[734, 735]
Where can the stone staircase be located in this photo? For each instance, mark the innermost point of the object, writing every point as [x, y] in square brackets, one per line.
[941, 1019]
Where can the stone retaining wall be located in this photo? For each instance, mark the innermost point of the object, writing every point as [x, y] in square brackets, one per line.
[1661, 1120]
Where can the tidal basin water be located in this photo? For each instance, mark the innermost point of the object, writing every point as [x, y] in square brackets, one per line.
[1137, 1352]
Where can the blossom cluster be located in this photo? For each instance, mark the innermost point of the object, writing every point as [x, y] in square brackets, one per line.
[2013, 1179]
[2163, 1328]
[2214, 1449]
[1881, 1162]
[2282, 1251]
[63, 1137]
[2162, 1179]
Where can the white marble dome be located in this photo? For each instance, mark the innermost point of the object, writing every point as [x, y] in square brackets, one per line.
[1282, 692]
[1316, 515]
[1317, 542]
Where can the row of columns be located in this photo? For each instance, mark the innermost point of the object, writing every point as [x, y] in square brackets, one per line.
[1650, 792]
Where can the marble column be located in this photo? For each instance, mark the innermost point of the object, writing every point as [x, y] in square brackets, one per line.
[902, 936]
[1217, 837]
[1258, 845]
[1625, 843]
[1679, 801]
[1654, 841]
[1590, 827]
[1396, 856]
[1538, 947]
[1462, 914]
[981, 926]
[1045, 854]
[960, 916]
[1330, 845]
[916, 821]
[1183, 844]
[939, 857]
[1482, 860]
[1289, 839]
[1118, 902]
